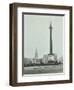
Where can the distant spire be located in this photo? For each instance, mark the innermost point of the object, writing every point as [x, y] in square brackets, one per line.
[36, 54]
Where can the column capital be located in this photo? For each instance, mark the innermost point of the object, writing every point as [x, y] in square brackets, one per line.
[50, 27]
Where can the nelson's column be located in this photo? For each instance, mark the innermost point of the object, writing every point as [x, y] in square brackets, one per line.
[51, 56]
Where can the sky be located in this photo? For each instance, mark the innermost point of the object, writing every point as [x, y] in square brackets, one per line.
[37, 35]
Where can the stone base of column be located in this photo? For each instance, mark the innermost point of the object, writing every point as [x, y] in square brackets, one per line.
[52, 59]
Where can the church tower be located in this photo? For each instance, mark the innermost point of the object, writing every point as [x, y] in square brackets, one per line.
[36, 60]
[36, 54]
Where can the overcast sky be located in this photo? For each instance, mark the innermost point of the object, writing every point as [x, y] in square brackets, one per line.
[36, 35]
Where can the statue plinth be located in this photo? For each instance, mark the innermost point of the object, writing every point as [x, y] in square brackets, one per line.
[52, 57]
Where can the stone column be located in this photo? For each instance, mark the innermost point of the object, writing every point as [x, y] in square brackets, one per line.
[51, 44]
